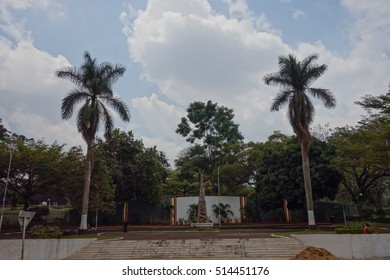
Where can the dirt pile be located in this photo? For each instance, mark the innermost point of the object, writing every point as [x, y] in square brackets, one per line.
[313, 253]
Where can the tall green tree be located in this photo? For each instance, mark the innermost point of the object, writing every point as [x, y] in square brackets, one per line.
[376, 124]
[213, 126]
[139, 173]
[361, 166]
[295, 78]
[279, 173]
[212, 129]
[35, 170]
[3, 131]
[102, 191]
[93, 83]
[363, 155]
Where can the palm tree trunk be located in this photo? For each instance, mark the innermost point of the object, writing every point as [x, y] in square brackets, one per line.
[202, 211]
[87, 185]
[307, 183]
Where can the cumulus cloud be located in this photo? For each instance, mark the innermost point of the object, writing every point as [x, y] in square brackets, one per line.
[200, 55]
[161, 120]
[193, 53]
[297, 14]
[30, 93]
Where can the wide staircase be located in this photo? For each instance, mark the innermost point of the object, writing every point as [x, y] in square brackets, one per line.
[250, 248]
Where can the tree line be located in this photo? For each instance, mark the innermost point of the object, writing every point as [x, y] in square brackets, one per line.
[348, 162]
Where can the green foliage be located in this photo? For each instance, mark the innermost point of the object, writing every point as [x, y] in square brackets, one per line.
[139, 173]
[279, 173]
[356, 228]
[179, 184]
[4, 133]
[35, 170]
[40, 211]
[223, 210]
[46, 231]
[295, 78]
[192, 212]
[364, 178]
[93, 83]
[349, 230]
[213, 126]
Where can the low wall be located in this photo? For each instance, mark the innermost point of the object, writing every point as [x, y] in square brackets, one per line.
[350, 246]
[41, 249]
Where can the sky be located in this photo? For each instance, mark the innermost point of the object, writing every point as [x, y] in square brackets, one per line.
[180, 51]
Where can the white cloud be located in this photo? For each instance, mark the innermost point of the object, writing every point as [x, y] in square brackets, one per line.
[161, 120]
[31, 94]
[238, 8]
[297, 14]
[370, 32]
[192, 53]
[201, 55]
[29, 91]
[35, 126]
[158, 115]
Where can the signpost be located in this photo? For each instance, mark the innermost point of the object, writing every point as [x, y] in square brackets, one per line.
[24, 219]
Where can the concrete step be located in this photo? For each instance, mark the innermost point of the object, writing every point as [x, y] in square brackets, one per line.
[253, 248]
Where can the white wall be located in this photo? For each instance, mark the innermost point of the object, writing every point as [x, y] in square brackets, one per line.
[41, 249]
[350, 246]
[183, 204]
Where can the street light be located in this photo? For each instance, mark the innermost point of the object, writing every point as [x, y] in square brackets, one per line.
[11, 151]
[219, 201]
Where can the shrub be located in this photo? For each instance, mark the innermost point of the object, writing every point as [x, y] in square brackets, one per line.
[40, 212]
[355, 228]
[208, 229]
[349, 230]
[41, 231]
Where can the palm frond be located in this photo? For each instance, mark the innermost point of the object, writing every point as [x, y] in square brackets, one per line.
[112, 74]
[308, 61]
[72, 74]
[119, 106]
[313, 72]
[88, 121]
[324, 95]
[276, 79]
[281, 99]
[107, 119]
[73, 98]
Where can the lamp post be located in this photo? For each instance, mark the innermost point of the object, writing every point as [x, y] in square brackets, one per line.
[11, 151]
[219, 201]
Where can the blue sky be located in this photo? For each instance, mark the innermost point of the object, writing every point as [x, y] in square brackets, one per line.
[180, 51]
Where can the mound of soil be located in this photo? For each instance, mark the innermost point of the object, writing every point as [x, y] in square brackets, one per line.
[314, 253]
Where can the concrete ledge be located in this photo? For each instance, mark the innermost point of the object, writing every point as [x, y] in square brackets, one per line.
[41, 249]
[350, 246]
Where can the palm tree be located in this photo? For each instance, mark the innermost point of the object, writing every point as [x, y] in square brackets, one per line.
[94, 89]
[223, 211]
[295, 78]
[192, 212]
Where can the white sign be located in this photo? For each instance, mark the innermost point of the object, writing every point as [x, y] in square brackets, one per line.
[25, 218]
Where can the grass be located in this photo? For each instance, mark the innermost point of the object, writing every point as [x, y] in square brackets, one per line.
[11, 216]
